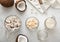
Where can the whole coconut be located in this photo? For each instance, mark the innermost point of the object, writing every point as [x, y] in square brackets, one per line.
[7, 3]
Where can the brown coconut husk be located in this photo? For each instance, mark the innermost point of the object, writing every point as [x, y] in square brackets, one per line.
[7, 3]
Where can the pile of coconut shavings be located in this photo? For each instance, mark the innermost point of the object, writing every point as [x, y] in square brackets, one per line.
[12, 22]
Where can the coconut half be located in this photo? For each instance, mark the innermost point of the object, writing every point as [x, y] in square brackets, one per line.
[22, 38]
[50, 23]
[42, 35]
[21, 6]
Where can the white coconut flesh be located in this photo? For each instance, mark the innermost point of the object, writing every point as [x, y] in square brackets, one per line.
[32, 23]
[50, 23]
[21, 5]
[22, 38]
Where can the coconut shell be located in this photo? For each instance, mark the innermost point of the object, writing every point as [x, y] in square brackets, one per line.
[22, 35]
[7, 3]
[18, 2]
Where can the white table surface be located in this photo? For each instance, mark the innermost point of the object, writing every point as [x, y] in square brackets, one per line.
[53, 35]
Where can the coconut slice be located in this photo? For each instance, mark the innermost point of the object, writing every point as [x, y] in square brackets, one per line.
[32, 23]
[50, 23]
[21, 6]
[22, 38]
[12, 23]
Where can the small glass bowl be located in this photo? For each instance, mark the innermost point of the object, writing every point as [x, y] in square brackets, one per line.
[12, 22]
[34, 28]
[42, 34]
[52, 18]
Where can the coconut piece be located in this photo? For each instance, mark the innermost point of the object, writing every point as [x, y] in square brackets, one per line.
[12, 22]
[50, 23]
[32, 23]
[7, 3]
[21, 5]
[40, 1]
[22, 38]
